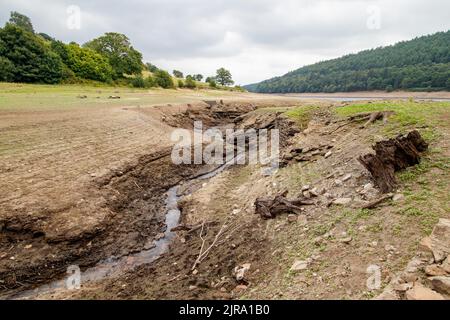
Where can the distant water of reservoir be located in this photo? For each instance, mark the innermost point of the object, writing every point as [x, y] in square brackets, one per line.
[350, 99]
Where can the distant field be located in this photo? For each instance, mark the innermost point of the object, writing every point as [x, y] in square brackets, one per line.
[51, 97]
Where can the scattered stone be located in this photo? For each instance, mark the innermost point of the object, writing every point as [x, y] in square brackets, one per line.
[314, 192]
[414, 265]
[328, 154]
[419, 292]
[239, 271]
[425, 245]
[240, 287]
[403, 287]
[191, 288]
[302, 220]
[374, 243]
[28, 246]
[342, 201]
[159, 236]
[441, 284]
[346, 240]
[306, 188]
[113, 97]
[368, 186]
[434, 270]
[347, 177]
[397, 197]
[307, 194]
[338, 182]
[446, 265]
[440, 240]
[292, 218]
[195, 272]
[299, 265]
[328, 195]
[389, 248]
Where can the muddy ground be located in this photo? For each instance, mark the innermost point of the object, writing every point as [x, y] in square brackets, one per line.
[334, 237]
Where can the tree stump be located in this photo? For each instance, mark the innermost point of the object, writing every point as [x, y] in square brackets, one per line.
[270, 208]
[391, 156]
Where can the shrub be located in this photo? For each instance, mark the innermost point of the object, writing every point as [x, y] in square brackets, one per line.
[190, 83]
[138, 82]
[163, 79]
[180, 84]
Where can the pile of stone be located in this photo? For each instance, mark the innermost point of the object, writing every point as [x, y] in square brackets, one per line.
[427, 276]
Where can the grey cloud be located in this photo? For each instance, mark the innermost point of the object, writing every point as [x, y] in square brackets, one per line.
[256, 39]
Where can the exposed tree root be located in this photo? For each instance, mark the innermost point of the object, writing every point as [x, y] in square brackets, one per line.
[369, 117]
[391, 156]
[270, 208]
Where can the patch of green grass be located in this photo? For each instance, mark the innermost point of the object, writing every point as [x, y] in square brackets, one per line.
[408, 114]
[301, 115]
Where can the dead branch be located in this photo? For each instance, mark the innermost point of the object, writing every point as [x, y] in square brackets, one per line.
[203, 254]
[369, 117]
[375, 203]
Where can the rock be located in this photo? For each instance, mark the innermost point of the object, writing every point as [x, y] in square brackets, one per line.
[425, 245]
[306, 188]
[397, 197]
[342, 201]
[314, 192]
[414, 265]
[408, 277]
[338, 182]
[191, 288]
[307, 194]
[328, 195]
[368, 186]
[419, 292]
[389, 248]
[441, 284]
[302, 220]
[328, 154]
[240, 288]
[239, 271]
[440, 240]
[446, 265]
[195, 272]
[28, 246]
[347, 177]
[346, 240]
[403, 287]
[292, 218]
[299, 265]
[159, 236]
[434, 270]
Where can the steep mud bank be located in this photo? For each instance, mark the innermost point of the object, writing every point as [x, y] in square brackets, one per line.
[135, 197]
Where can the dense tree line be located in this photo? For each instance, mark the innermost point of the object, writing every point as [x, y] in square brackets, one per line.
[27, 56]
[419, 64]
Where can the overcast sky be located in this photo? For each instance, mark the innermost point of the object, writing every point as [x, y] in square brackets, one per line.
[254, 39]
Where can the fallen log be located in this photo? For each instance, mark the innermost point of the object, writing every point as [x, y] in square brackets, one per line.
[270, 208]
[393, 155]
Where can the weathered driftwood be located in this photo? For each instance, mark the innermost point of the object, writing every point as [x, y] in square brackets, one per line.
[377, 202]
[270, 208]
[391, 156]
[369, 117]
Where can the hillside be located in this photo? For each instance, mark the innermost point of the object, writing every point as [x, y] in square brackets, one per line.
[420, 64]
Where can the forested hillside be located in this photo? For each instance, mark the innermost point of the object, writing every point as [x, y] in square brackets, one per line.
[419, 64]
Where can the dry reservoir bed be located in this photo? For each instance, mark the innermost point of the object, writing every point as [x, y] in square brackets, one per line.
[95, 190]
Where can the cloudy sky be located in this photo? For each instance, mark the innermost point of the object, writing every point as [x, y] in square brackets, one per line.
[255, 39]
